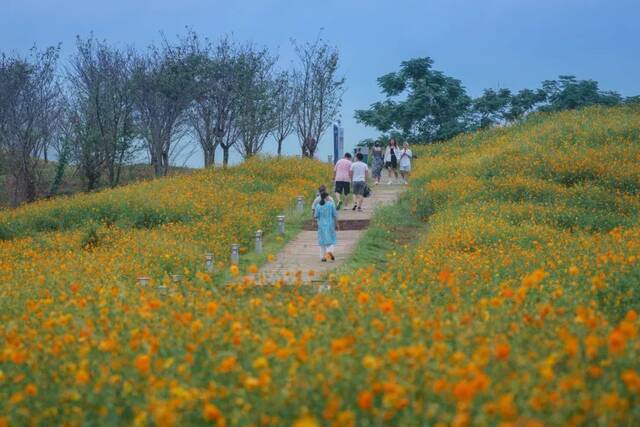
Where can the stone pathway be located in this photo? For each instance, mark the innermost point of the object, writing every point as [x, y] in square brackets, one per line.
[299, 261]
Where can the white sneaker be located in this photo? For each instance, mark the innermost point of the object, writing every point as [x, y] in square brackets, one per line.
[389, 183]
[406, 183]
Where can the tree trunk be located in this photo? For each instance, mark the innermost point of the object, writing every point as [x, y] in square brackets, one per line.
[165, 163]
[30, 188]
[209, 157]
[280, 141]
[225, 155]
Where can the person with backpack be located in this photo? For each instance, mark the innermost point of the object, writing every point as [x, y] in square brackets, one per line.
[327, 218]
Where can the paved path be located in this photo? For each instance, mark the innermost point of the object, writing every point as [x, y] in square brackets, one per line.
[301, 255]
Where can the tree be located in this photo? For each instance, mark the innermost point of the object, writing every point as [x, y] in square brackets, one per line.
[256, 100]
[164, 86]
[318, 92]
[215, 108]
[285, 105]
[492, 106]
[524, 102]
[101, 88]
[568, 93]
[422, 104]
[29, 109]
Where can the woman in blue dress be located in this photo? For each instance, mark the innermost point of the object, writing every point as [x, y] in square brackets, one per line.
[326, 216]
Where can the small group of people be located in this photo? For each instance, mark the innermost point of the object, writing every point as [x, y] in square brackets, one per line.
[392, 159]
[348, 177]
[351, 176]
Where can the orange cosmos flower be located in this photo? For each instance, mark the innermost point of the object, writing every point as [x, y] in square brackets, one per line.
[502, 351]
[365, 400]
[31, 389]
[227, 364]
[363, 298]
[143, 364]
[234, 270]
[82, 377]
[616, 341]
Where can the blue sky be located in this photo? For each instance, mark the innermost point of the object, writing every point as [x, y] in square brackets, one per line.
[484, 43]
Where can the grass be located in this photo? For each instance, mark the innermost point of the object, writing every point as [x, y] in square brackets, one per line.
[392, 228]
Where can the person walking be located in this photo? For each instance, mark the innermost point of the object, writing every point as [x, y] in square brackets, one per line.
[359, 170]
[342, 179]
[391, 159]
[316, 201]
[326, 217]
[405, 163]
[377, 162]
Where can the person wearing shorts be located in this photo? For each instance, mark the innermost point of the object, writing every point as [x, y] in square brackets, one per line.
[359, 170]
[405, 163]
[391, 158]
[342, 179]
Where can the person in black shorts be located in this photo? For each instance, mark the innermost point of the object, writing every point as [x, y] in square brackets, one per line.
[342, 178]
[391, 158]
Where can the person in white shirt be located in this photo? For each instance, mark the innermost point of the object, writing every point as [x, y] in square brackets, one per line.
[359, 170]
[391, 158]
[404, 161]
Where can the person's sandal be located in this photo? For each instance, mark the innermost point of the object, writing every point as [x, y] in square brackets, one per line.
[331, 256]
[354, 207]
[324, 259]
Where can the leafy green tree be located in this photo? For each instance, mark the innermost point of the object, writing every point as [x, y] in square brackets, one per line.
[421, 104]
[524, 102]
[568, 93]
[492, 106]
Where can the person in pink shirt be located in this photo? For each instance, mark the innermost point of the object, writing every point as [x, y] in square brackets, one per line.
[342, 178]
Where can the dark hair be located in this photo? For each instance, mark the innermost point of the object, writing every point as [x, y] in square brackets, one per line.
[322, 188]
[394, 141]
[323, 197]
[347, 155]
[359, 156]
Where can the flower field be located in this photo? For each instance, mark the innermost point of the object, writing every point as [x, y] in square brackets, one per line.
[518, 306]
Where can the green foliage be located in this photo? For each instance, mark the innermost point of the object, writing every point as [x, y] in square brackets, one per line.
[421, 104]
[91, 237]
[568, 93]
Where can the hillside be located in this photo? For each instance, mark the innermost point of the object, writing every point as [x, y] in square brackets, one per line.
[516, 305]
[72, 180]
[519, 305]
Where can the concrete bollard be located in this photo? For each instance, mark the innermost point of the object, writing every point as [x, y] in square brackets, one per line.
[330, 159]
[235, 253]
[300, 204]
[259, 242]
[208, 263]
[281, 225]
[143, 280]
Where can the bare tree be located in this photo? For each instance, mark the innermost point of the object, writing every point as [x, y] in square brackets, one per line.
[29, 111]
[318, 92]
[163, 87]
[256, 109]
[100, 83]
[285, 105]
[213, 112]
